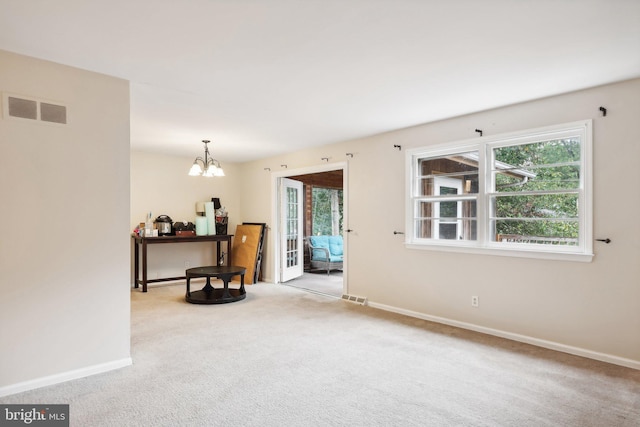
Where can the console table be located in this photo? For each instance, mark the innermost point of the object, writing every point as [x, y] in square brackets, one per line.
[144, 241]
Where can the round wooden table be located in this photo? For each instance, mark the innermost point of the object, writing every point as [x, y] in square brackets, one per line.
[211, 295]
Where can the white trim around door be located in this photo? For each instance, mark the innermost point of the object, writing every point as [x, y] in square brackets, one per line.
[275, 244]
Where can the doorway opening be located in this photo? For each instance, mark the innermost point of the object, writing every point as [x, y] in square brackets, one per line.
[310, 201]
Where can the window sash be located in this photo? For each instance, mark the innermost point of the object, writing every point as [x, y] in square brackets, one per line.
[573, 183]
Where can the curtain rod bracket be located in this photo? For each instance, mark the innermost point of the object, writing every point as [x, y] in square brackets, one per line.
[479, 131]
[604, 111]
[399, 147]
[607, 240]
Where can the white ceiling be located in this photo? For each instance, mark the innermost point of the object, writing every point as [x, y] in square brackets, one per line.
[262, 77]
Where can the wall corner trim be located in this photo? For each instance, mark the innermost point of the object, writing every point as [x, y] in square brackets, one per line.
[64, 376]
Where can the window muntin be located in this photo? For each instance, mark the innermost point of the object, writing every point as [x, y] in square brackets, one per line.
[528, 193]
[545, 165]
[541, 206]
[445, 203]
[460, 166]
[457, 220]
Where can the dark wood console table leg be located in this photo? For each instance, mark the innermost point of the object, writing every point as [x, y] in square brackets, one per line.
[136, 264]
[144, 265]
[220, 255]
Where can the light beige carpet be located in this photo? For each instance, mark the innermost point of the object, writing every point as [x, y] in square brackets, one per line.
[320, 282]
[285, 357]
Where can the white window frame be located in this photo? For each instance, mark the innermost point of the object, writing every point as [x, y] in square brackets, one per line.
[484, 243]
[447, 182]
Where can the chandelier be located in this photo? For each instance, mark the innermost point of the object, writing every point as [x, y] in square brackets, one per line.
[207, 166]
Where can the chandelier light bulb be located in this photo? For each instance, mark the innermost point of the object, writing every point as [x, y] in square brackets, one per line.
[195, 169]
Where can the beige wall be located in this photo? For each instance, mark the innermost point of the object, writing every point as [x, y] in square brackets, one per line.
[160, 185]
[584, 308]
[64, 250]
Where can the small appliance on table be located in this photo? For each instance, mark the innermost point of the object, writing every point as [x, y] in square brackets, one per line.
[164, 225]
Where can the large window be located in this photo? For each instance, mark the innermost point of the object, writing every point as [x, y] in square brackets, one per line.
[523, 194]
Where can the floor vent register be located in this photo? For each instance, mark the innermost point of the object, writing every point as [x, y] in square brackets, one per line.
[354, 299]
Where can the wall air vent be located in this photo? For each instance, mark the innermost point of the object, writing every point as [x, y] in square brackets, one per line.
[53, 113]
[23, 108]
[34, 109]
[354, 299]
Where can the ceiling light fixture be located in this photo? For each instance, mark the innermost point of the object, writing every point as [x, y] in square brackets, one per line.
[207, 166]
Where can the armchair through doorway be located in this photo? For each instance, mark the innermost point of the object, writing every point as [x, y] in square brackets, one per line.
[326, 252]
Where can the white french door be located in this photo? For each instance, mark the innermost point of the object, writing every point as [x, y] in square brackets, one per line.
[291, 232]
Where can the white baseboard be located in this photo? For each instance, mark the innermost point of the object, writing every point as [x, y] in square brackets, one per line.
[603, 357]
[64, 376]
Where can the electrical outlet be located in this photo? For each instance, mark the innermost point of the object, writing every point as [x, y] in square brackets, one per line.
[474, 301]
[187, 264]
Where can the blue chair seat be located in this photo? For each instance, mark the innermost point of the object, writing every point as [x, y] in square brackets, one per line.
[326, 252]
